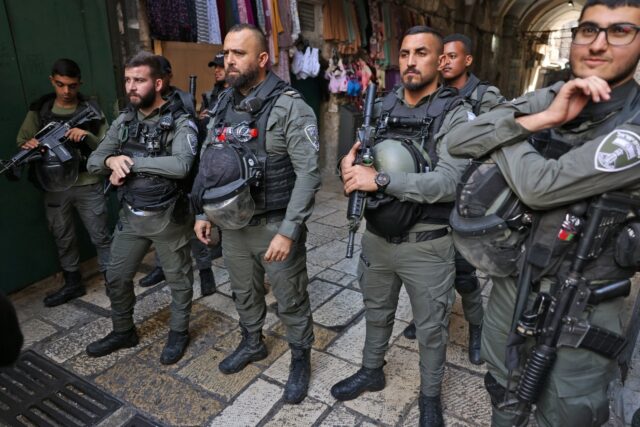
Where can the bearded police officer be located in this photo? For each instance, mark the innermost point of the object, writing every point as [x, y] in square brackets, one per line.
[202, 254]
[77, 189]
[557, 148]
[455, 63]
[411, 188]
[257, 179]
[148, 151]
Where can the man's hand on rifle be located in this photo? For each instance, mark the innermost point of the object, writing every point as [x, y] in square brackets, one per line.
[76, 134]
[30, 144]
[357, 177]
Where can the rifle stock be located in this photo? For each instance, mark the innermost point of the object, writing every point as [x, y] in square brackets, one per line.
[357, 199]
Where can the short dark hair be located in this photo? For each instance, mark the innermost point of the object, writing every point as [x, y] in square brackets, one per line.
[143, 58]
[457, 37]
[66, 67]
[611, 4]
[262, 39]
[423, 29]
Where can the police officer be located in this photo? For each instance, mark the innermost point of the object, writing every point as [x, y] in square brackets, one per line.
[279, 132]
[455, 63]
[203, 254]
[210, 98]
[148, 150]
[594, 119]
[411, 188]
[83, 192]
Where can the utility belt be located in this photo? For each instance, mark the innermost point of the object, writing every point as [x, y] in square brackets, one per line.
[267, 217]
[411, 237]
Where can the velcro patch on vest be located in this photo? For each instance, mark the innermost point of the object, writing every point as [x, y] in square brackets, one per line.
[311, 131]
[618, 151]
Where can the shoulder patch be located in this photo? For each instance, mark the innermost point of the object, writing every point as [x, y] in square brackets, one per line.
[618, 151]
[192, 125]
[193, 143]
[311, 131]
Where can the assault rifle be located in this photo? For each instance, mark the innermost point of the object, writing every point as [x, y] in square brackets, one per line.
[51, 138]
[557, 320]
[357, 199]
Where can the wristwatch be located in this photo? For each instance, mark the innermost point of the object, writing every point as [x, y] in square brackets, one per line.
[382, 179]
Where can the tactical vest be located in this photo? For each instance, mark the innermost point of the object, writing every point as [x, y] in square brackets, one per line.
[144, 191]
[472, 85]
[239, 122]
[490, 229]
[386, 215]
[44, 107]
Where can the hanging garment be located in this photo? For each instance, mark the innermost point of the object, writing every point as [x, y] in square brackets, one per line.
[284, 38]
[202, 17]
[215, 35]
[295, 20]
[261, 17]
[242, 11]
[282, 69]
[174, 20]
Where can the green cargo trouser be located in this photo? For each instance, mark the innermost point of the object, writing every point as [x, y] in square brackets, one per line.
[127, 251]
[89, 202]
[427, 271]
[472, 306]
[243, 252]
[576, 392]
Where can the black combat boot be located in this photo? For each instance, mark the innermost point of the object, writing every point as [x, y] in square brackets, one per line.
[365, 379]
[410, 331]
[430, 411]
[112, 342]
[175, 347]
[72, 288]
[250, 349]
[207, 282]
[156, 276]
[299, 373]
[475, 331]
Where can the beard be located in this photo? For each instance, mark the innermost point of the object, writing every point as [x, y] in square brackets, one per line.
[145, 101]
[244, 80]
[417, 83]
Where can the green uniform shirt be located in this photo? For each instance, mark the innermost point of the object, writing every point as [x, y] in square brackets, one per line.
[438, 185]
[546, 183]
[181, 141]
[31, 125]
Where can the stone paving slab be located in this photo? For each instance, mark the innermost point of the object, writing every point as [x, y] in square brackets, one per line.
[325, 370]
[305, 413]
[350, 344]
[251, 406]
[204, 372]
[327, 254]
[35, 330]
[320, 291]
[339, 310]
[464, 396]
[158, 393]
[148, 333]
[340, 417]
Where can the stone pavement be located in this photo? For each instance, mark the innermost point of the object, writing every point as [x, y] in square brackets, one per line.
[194, 392]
